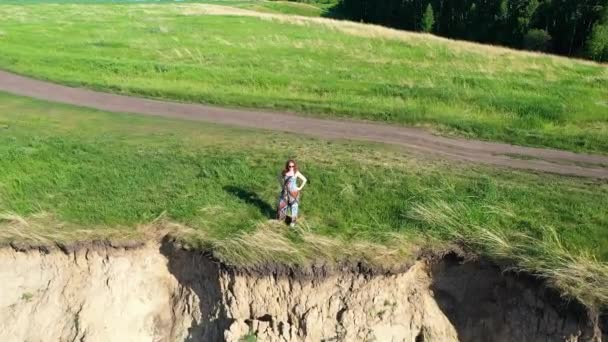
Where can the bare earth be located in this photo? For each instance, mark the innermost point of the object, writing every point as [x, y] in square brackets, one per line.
[413, 139]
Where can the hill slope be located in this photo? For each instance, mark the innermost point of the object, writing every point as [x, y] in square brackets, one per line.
[228, 56]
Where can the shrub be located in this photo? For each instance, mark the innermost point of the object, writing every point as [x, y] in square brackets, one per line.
[537, 40]
[597, 45]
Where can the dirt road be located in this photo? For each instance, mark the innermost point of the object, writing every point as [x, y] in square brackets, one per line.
[413, 139]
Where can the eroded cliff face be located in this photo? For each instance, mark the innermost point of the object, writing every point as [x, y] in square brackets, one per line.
[164, 293]
[93, 294]
[319, 306]
[485, 305]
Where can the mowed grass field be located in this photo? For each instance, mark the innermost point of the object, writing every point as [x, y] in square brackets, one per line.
[71, 174]
[228, 56]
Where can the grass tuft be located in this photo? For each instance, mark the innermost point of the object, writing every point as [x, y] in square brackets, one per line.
[272, 243]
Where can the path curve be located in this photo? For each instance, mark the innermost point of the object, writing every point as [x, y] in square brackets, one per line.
[418, 140]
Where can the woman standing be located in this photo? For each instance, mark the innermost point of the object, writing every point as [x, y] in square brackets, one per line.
[290, 191]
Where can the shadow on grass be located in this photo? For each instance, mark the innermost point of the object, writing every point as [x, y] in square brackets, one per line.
[252, 198]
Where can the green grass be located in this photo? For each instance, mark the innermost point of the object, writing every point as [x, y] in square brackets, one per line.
[235, 3]
[250, 337]
[26, 296]
[318, 67]
[312, 9]
[79, 173]
[286, 7]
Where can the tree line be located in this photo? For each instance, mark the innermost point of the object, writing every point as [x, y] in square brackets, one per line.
[567, 27]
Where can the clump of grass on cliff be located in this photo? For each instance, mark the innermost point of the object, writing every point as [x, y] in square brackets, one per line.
[99, 175]
[271, 243]
[575, 271]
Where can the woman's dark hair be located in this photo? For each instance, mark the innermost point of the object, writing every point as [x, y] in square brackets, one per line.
[286, 169]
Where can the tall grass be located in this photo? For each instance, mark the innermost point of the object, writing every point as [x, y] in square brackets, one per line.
[301, 247]
[574, 271]
[226, 56]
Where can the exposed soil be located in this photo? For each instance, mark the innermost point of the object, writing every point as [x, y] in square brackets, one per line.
[485, 304]
[417, 140]
[98, 292]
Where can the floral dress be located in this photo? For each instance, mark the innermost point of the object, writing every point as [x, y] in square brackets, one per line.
[289, 197]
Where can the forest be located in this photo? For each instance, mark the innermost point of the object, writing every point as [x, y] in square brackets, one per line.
[577, 28]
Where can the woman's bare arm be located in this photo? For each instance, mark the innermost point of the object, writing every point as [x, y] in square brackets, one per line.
[302, 178]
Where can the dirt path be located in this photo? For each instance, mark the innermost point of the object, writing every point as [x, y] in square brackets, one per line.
[417, 140]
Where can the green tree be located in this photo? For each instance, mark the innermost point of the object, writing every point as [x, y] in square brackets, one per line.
[597, 45]
[520, 12]
[503, 11]
[428, 19]
[502, 34]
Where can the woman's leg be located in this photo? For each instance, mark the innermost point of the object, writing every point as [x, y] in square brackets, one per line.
[294, 211]
[282, 209]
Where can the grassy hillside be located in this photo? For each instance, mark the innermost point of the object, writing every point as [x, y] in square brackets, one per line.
[74, 174]
[201, 53]
[307, 9]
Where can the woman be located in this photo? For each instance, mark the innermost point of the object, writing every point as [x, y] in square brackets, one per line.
[290, 192]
